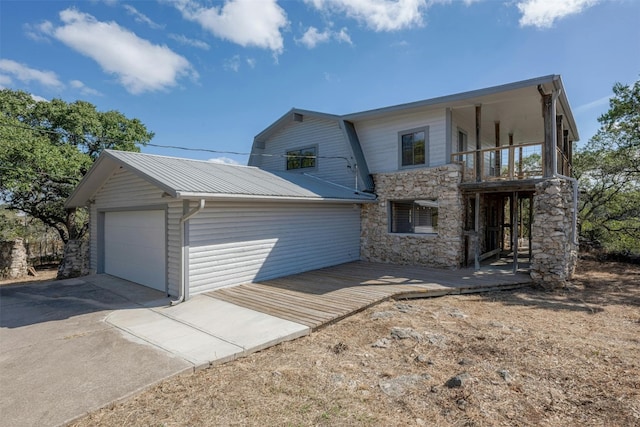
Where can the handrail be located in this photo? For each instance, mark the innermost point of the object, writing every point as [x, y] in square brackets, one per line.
[512, 162]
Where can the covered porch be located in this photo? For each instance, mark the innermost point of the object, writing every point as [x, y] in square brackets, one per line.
[521, 134]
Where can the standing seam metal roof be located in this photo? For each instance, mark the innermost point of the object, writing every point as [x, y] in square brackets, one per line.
[180, 176]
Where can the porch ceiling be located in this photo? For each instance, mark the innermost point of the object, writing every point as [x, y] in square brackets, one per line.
[518, 111]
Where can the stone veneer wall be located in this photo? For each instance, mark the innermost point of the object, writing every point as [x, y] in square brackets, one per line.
[75, 262]
[13, 259]
[554, 252]
[442, 250]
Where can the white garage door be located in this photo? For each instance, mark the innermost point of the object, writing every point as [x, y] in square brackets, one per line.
[134, 247]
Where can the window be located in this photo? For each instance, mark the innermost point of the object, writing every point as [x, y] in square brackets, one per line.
[463, 143]
[413, 147]
[416, 216]
[304, 158]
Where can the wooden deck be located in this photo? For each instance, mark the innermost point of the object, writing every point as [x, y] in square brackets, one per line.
[317, 298]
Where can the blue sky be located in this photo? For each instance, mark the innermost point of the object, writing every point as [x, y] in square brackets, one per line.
[209, 74]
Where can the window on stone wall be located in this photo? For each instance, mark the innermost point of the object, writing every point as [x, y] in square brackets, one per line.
[414, 216]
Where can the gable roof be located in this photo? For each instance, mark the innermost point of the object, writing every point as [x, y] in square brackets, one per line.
[289, 117]
[187, 178]
[548, 83]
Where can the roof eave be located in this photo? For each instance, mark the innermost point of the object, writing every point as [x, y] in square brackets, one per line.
[453, 98]
[254, 197]
[566, 107]
[99, 173]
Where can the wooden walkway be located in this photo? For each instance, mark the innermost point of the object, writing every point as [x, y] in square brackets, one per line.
[319, 297]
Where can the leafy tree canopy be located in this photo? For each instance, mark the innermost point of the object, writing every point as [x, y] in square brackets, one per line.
[47, 147]
[608, 168]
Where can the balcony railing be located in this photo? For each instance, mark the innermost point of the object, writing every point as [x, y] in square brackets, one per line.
[513, 162]
[564, 164]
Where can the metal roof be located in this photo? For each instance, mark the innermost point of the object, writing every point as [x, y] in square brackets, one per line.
[187, 178]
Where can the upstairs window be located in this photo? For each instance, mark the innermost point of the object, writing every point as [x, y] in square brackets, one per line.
[303, 158]
[415, 216]
[413, 147]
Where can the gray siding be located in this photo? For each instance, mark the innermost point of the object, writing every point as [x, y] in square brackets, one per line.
[325, 134]
[379, 138]
[234, 243]
[124, 190]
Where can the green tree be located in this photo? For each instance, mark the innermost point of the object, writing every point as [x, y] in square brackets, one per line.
[608, 169]
[47, 147]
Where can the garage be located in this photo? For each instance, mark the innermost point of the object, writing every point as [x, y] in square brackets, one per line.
[135, 247]
[186, 226]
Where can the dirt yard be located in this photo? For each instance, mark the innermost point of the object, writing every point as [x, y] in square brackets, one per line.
[524, 357]
[44, 274]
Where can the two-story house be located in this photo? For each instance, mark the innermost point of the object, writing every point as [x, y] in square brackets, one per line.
[458, 179]
[446, 182]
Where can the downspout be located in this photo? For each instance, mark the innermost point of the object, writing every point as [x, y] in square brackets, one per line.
[183, 220]
[574, 219]
[555, 94]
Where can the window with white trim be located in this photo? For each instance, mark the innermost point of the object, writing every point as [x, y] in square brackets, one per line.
[413, 147]
[303, 158]
[414, 216]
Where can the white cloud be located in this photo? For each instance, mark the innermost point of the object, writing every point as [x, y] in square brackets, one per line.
[189, 42]
[141, 17]
[139, 65]
[39, 98]
[38, 32]
[5, 81]
[343, 36]
[84, 89]
[312, 37]
[379, 15]
[224, 161]
[543, 13]
[25, 74]
[594, 104]
[233, 63]
[244, 22]
[251, 62]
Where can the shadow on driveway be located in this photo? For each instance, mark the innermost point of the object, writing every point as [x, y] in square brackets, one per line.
[59, 358]
[22, 305]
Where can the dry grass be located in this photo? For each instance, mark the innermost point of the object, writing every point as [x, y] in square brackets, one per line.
[533, 358]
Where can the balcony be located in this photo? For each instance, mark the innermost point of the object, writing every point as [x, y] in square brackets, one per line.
[508, 163]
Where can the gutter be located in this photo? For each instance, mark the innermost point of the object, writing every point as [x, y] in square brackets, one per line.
[183, 220]
[233, 197]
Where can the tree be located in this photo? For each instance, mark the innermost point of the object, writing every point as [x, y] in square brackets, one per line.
[47, 147]
[608, 169]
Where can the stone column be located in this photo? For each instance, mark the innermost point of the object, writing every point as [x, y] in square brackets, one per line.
[13, 259]
[75, 262]
[553, 239]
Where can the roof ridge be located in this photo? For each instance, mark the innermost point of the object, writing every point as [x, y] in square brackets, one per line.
[110, 151]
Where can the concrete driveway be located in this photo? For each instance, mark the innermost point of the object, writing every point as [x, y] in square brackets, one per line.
[71, 346]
